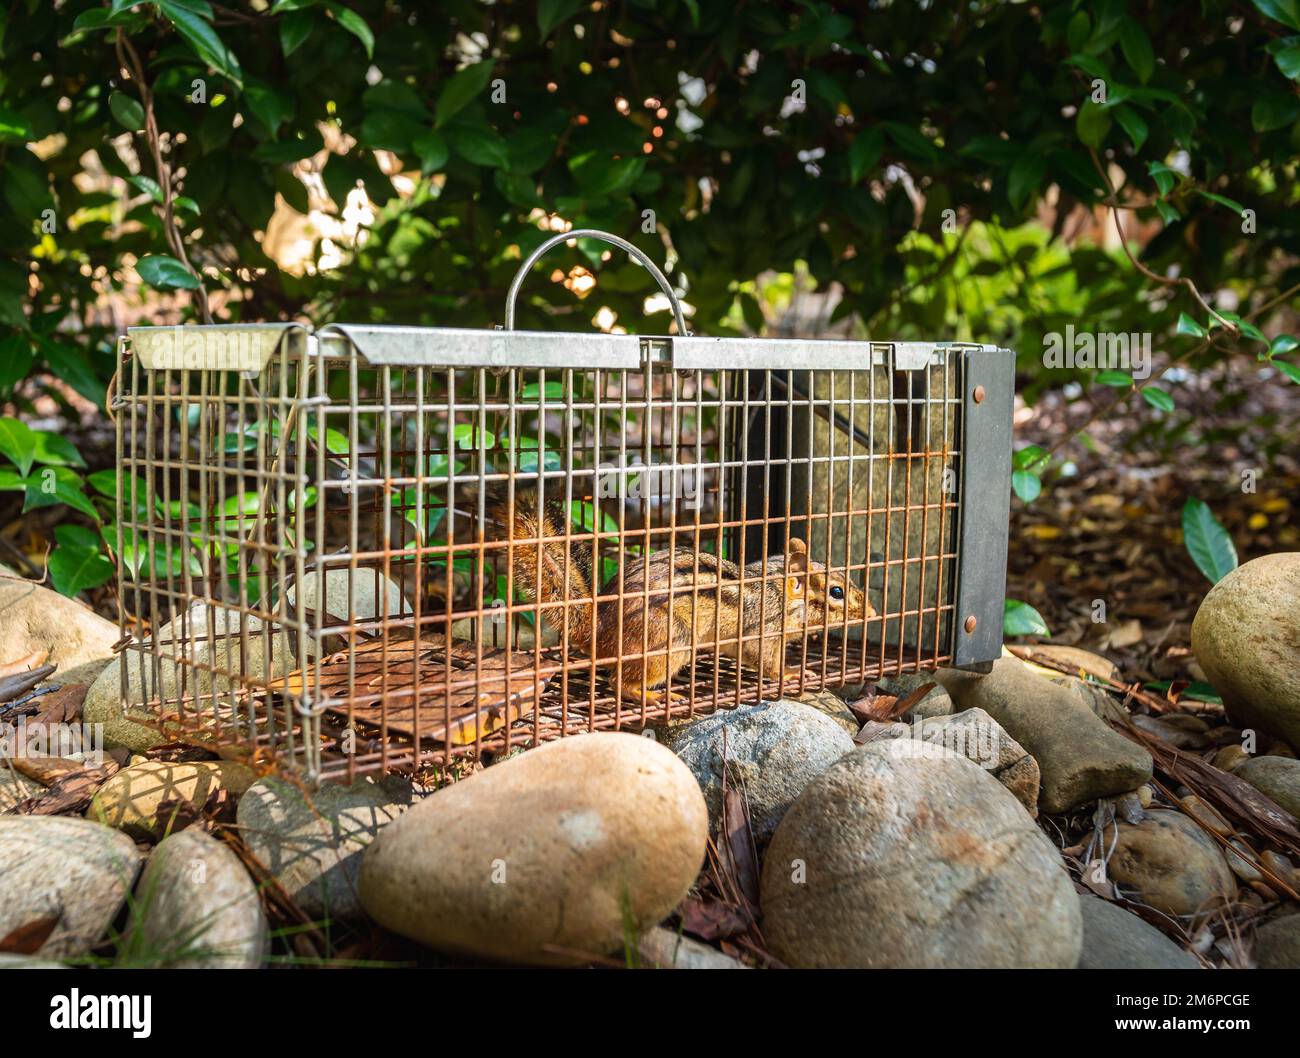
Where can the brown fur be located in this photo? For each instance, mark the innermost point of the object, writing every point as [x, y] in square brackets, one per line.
[660, 621]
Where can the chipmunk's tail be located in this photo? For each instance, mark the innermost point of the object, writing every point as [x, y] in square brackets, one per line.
[545, 570]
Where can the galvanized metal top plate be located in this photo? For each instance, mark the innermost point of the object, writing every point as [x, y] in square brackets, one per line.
[465, 347]
[244, 347]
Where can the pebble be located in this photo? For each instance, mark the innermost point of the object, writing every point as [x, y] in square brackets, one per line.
[65, 866]
[553, 856]
[1081, 759]
[1244, 636]
[130, 800]
[773, 750]
[894, 859]
[196, 907]
[312, 841]
[1168, 862]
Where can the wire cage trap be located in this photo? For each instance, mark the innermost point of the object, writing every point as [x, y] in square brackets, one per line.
[371, 547]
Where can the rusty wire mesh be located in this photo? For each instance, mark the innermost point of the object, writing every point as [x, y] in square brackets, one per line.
[315, 567]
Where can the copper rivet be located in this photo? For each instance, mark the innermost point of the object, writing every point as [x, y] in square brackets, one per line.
[979, 394]
[970, 623]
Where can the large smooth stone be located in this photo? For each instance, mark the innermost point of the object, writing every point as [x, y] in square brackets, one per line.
[979, 738]
[65, 866]
[1170, 863]
[773, 750]
[16, 788]
[1277, 778]
[892, 858]
[1081, 759]
[34, 618]
[1115, 939]
[130, 800]
[1246, 635]
[552, 856]
[195, 906]
[192, 641]
[831, 705]
[312, 841]
[349, 596]
[1277, 944]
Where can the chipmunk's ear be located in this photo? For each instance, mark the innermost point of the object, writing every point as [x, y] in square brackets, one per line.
[797, 560]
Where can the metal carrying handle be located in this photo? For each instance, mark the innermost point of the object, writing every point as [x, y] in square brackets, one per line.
[604, 236]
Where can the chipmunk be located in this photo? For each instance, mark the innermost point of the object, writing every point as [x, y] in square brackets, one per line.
[657, 637]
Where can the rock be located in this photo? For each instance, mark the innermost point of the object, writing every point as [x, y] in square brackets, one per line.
[976, 736]
[1281, 868]
[548, 857]
[130, 800]
[195, 906]
[831, 705]
[1115, 939]
[65, 866]
[1277, 944]
[1230, 758]
[104, 705]
[312, 842]
[935, 703]
[1277, 778]
[661, 948]
[773, 749]
[1170, 863]
[1081, 759]
[34, 618]
[1241, 861]
[1247, 639]
[1079, 660]
[15, 788]
[351, 596]
[1206, 815]
[1171, 733]
[891, 859]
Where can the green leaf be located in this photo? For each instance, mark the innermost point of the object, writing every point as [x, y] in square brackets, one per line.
[1167, 212]
[552, 13]
[1025, 177]
[55, 450]
[165, 273]
[1288, 61]
[554, 392]
[18, 443]
[1136, 46]
[51, 486]
[1188, 326]
[1119, 379]
[432, 150]
[1273, 110]
[1164, 177]
[1285, 11]
[1092, 124]
[78, 562]
[1290, 370]
[354, 24]
[1133, 124]
[295, 27]
[16, 359]
[1283, 344]
[129, 113]
[1207, 541]
[461, 90]
[1029, 458]
[202, 39]
[1236, 207]
[865, 152]
[1026, 485]
[1021, 619]
[479, 146]
[1158, 398]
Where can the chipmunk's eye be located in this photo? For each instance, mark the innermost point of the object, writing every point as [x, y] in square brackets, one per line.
[837, 592]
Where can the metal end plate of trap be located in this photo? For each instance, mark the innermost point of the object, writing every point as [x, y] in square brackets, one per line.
[385, 694]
